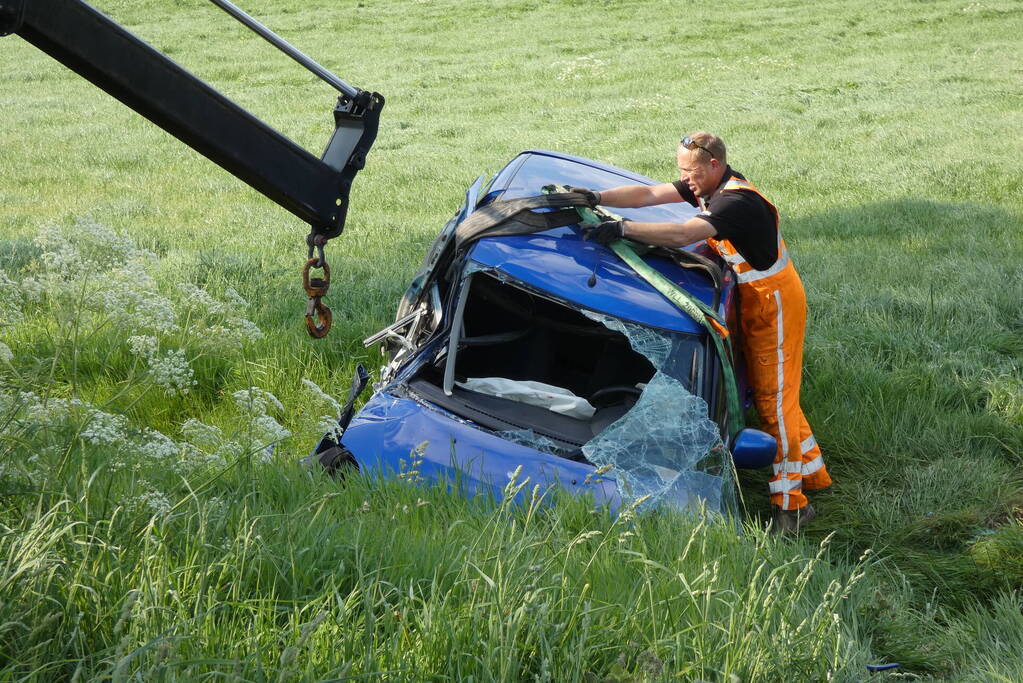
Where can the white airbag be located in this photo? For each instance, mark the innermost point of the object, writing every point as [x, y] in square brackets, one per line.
[553, 398]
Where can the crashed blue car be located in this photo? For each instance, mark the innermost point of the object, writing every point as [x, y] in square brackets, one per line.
[534, 350]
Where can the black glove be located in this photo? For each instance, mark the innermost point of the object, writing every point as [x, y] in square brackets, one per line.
[605, 233]
[592, 197]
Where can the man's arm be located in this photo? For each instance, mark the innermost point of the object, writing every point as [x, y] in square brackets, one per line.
[658, 234]
[669, 234]
[638, 196]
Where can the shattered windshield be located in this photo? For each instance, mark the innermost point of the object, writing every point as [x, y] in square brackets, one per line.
[666, 449]
[678, 355]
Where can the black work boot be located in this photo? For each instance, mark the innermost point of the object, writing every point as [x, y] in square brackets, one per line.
[791, 522]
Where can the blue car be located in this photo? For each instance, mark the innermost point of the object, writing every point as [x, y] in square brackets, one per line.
[546, 355]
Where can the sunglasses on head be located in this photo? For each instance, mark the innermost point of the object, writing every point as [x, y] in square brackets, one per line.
[692, 144]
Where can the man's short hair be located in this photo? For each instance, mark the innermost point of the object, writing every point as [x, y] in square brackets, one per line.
[710, 143]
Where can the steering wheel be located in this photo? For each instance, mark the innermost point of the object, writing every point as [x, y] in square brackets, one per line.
[609, 396]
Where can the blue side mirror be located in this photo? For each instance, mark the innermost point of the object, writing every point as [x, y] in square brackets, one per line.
[753, 449]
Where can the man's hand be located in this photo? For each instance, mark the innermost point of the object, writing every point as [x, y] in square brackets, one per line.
[592, 197]
[605, 233]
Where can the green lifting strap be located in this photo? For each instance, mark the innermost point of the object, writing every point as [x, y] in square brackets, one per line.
[700, 313]
[690, 305]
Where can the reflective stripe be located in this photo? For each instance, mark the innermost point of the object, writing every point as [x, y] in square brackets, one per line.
[733, 259]
[807, 444]
[754, 275]
[730, 256]
[781, 386]
[788, 467]
[784, 486]
[812, 466]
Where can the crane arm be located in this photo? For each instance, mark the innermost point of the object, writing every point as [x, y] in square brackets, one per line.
[94, 46]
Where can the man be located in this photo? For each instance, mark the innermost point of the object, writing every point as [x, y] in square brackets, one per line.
[742, 226]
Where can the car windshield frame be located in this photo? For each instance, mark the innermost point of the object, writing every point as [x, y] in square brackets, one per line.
[671, 346]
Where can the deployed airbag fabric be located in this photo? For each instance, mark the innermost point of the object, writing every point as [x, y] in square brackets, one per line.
[556, 399]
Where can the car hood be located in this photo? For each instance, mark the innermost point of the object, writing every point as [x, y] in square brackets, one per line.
[560, 262]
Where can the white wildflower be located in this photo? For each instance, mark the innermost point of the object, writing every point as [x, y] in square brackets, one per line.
[6, 355]
[133, 273]
[10, 301]
[40, 412]
[198, 298]
[256, 401]
[245, 330]
[71, 253]
[35, 411]
[218, 323]
[195, 459]
[51, 240]
[104, 275]
[321, 394]
[229, 451]
[327, 424]
[105, 429]
[113, 300]
[330, 428]
[172, 371]
[265, 455]
[201, 434]
[116, 462]
[235, 298]
[158, 447]
[143, 346]
[32, 289]
[215, 336]
[234, 334]
[153, 501]
[87, 246]
[154, 312]
[267, 430]
[208, 462]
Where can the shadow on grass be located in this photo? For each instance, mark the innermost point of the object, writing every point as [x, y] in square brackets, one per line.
[912, 384]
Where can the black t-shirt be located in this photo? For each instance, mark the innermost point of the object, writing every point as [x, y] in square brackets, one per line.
[742, 217]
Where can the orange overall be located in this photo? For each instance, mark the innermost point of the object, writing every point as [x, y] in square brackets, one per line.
[772, 312]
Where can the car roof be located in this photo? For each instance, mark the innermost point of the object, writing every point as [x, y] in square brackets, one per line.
[558, 261]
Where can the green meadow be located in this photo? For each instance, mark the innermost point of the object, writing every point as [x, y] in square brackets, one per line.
[157, 385]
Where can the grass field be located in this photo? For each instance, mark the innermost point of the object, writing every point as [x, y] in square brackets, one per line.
[154, 524]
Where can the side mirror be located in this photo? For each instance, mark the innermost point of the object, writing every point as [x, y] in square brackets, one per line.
[753, 449]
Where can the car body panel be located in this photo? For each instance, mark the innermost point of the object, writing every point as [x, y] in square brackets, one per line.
[390, 428]
[560, 262]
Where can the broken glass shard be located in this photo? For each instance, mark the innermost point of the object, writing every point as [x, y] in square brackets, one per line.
[665, 447]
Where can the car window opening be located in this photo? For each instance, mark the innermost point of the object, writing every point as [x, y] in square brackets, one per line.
[553, 344]
[509, 333]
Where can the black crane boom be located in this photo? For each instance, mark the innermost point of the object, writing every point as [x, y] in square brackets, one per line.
[314, 189]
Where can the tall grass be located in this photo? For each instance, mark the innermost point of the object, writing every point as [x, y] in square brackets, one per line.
[299, 578]
[136, 553]
[154, 523]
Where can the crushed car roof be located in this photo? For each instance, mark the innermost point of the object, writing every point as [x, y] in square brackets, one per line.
[558, 261]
